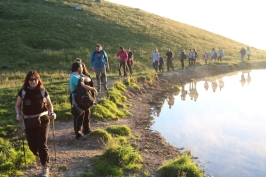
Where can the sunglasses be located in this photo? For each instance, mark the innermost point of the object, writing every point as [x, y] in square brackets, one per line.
[33, 79]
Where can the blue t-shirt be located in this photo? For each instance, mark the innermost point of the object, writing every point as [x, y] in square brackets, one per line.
[73, 82]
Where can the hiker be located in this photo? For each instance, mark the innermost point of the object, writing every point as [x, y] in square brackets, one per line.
[169, 61]
[155, 59]
[99, 64]
[77, 112]
[123, 56]
[206, 56]
[243, 53]
[130, 60]
[194, 58]
[214, 54]
[248, 53]
[87, 114]
[182, 58]
[220, 54]
[161, 63]
[35, 103]
[190, 57]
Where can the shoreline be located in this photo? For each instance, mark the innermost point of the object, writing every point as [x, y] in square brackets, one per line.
[73, 156]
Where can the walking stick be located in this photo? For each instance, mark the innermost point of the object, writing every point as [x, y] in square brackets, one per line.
[54, 140]
[23, 145]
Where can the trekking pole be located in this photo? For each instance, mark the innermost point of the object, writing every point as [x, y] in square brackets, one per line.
[23, 145]
[54, 140]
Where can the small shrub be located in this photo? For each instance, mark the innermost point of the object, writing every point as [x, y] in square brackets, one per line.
[119, 130]
[112, 108]
[120, 86]
[115, 96]
[182, 164]
[134, 86]
[104, 134]
[122, 155]
[102, 112]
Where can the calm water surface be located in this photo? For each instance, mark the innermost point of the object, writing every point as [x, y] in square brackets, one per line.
[225, 127]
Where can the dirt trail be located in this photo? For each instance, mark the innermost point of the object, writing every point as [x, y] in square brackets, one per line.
[72, 155]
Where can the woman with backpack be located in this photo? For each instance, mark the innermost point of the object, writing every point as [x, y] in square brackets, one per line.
[77, 111]
[122, 54]
[35, 103]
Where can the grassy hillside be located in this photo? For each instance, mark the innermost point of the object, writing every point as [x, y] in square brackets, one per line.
[47, 35]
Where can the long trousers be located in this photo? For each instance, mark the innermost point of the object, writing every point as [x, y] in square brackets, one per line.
[37, 140]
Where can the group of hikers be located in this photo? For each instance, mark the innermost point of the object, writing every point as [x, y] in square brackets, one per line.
[192, 55]
[34, 101]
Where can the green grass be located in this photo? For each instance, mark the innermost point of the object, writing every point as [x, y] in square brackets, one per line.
[104, 134]
[49, 35]
[123, 130]
[181, 166]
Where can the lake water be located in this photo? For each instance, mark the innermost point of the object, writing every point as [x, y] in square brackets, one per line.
[225, 127]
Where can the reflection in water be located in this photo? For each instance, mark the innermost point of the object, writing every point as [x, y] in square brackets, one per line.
[193, 91]
[221, 83]
[183, 93]
[171, 100]
[228, 136]
[243, 80]
[214, 85]
[156, 111]
[206, 85]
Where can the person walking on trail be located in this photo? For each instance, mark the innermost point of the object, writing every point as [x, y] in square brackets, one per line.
[220, 54]
[35, 103]
[206, 56]
[77, 112]
[99, 64]
[214, 54]
[130, 60]
[243, 53]
[161, 63]
[182, 58]
[169, 59]
[190, 57]
[87, 114]
[123, 56]
[155, 59]
[248, 53]
[194, 58]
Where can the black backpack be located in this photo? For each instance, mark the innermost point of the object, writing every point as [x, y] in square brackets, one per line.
[83, 98]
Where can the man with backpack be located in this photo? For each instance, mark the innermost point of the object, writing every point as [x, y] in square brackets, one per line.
[99, 63]
[77, 79]
[243, 53]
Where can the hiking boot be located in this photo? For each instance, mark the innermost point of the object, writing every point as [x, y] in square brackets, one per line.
[105, 88]
[45, 171]
[87, 132]
[82, 138]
